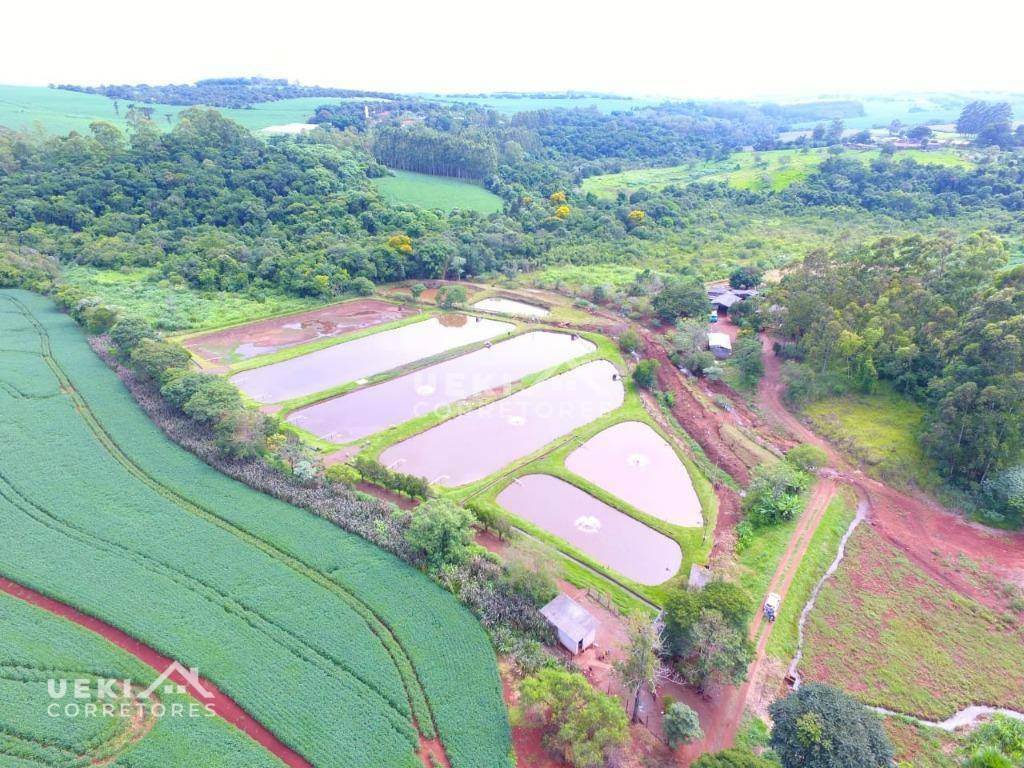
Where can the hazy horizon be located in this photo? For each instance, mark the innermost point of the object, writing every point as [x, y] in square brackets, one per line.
[734, 50]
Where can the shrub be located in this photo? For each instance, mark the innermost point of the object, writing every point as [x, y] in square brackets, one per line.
[699, 362]
[733, 758]
[361, 286]
[99, 319]
[159, 360]
[416, 290]
[344, 474]
[376, 473]
[242, 433]
[774, 494]
[441, 532]
[580, 723]
[127, 332]
[645, 373]
[1005, 492]
[681, 724]
[629, 342]
[451, 296]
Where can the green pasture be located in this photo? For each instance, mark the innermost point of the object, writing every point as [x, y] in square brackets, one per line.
[59, 112]
[772, 170]
[426, 191]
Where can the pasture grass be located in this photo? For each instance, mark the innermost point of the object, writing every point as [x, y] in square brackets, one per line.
[891, 635]
[773, 170]
[59, 112]
[427, 191]
[921, 746]
[878, 430]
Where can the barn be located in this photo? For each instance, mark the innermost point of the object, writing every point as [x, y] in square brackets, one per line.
[720, 345]
[577, 629]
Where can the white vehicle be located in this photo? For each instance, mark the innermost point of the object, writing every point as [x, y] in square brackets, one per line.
[771, 606]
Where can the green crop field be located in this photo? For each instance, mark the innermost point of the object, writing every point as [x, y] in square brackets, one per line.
[773, 170]
[36, 646]
[334, 645]
[436, 192]
[62, 111]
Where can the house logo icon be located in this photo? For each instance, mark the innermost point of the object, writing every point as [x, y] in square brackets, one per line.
[165, 684]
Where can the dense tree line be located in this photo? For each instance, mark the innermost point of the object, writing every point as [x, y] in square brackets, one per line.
[464, 155]
[941, 319]
[908, 189]
[235, 92]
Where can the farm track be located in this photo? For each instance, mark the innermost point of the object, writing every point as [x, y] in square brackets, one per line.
[721, 732]
[223, 705]
[418, 702]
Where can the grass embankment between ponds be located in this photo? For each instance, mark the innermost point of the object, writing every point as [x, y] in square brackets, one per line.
[890, 634]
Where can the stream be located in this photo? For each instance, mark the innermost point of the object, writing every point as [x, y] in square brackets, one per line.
[967, 716]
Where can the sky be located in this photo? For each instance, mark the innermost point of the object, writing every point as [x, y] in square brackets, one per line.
[718, 49]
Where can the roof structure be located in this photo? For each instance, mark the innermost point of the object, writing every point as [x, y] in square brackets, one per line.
[569, 617]
[720, 340]
[726, 300]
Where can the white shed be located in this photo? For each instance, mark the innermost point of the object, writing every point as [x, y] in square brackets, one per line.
[577, 629]
[720, 345]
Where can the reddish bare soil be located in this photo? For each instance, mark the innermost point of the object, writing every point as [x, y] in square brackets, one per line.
[222, 705]
[265, 336]
[723, 719]
[934, 538]
[703, 425]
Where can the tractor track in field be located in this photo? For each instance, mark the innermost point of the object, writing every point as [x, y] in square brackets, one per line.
[418, 702]
[223, 705]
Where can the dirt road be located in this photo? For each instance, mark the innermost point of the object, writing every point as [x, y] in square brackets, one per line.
[223, 705]
[720, 729]
[934, 538]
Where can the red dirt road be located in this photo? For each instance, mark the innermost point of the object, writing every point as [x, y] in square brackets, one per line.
[721, 727]
[934, 538]
[224, 707]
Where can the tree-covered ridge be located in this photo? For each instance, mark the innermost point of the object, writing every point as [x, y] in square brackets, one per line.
[940, 318]
[219, 92]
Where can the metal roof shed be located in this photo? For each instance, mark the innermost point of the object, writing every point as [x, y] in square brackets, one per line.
[577, 629]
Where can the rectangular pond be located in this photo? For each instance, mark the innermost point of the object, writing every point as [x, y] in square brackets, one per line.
[265, 336]
[510, 307]
[596, 529]
[478, 443]
[633, 462]
[376, 408]
[366, 356]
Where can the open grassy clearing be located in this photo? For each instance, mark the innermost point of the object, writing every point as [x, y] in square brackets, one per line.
[880, 431]
[892, 636]
[281, 605]
[427, 191]
[62, 111]
[774, 170]
[141, 293]
[36, 646]
[820, 554]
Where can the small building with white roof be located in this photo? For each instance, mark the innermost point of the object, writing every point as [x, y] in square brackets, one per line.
[577, 629]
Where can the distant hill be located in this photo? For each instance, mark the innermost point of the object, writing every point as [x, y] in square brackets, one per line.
[229, 92]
